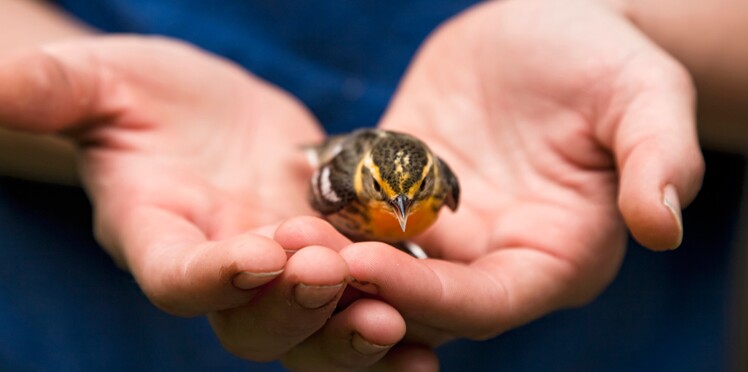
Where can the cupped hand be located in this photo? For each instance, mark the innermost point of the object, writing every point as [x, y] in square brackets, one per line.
[191, 163]
[564, 125]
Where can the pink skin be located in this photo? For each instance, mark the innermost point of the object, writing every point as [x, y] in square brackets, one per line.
[191, 163]
[564, 124]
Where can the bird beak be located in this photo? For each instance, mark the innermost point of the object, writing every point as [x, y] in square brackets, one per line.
[400, 206]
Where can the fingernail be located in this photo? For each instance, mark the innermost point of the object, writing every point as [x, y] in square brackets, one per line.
[315, 296]
[247, 280]
[365, 347]
[672, 202]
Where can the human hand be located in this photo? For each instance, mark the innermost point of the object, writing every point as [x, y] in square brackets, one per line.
[190, 162]
[563, 124]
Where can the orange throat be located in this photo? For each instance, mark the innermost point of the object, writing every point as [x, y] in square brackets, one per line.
[384, 225]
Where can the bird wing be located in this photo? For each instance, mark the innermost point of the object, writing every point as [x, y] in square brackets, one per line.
[332, 183]
[450, 183]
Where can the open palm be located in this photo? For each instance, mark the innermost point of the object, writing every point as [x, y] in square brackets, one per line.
[185, 156]
[564, 126]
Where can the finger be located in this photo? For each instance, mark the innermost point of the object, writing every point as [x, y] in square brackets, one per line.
[300, 232]
[656, 147]
[44, 90]
[353, 339]
[178, 269]
[408, 357]
[443, 300]
[298, 304]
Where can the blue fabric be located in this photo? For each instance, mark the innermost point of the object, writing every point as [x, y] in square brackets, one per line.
[65, 306]
[342, 58]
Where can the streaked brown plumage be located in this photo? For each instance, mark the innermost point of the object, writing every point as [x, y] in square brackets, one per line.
[380, 185]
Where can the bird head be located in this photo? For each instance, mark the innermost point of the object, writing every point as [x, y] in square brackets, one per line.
[397, 174]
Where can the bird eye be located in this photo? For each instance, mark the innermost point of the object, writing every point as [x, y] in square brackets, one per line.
[423, 186]
[377, 187]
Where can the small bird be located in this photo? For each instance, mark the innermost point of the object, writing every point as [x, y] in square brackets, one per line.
[380, 185]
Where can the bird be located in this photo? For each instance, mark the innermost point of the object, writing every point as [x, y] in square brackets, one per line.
[380, 185]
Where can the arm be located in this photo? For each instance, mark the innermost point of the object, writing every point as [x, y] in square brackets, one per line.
[707, 38]
[45, 158]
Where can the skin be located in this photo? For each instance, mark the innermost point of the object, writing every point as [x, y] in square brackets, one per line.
[176, 202]
[704, 36]
[557, 97]
[563, 152]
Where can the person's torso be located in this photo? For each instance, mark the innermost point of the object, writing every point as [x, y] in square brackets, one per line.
[343, 59]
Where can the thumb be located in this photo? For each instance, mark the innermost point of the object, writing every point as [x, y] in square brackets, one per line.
[178, 268]
[658, 155]
[50, 89]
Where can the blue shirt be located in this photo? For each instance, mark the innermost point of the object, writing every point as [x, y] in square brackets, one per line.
[343, 59]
